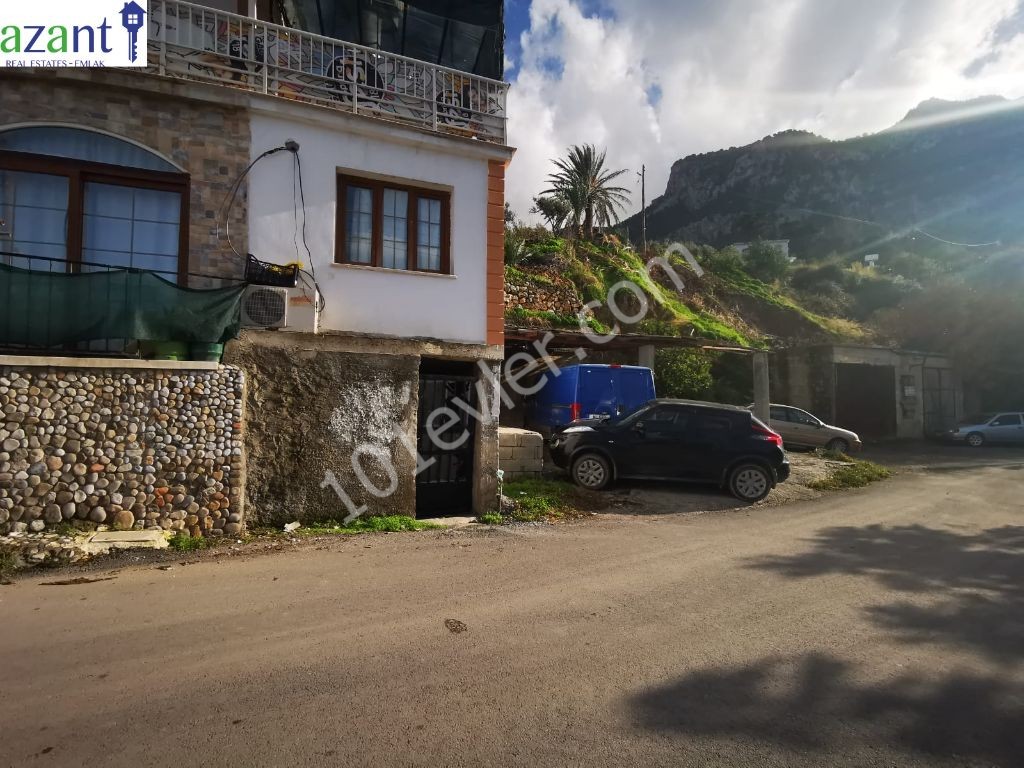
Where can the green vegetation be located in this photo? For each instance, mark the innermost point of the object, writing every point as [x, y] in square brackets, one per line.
[377, 524]
[584, 186]
[529, 317]
[855, 473]
[554, 209]
[8, 563]
[491, 518]
[683, 372]
[740, 299]
[182, 542]
[765, 262]
[540, 499]
[514, 274]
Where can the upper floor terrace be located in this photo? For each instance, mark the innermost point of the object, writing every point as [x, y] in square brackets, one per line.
[198, 42]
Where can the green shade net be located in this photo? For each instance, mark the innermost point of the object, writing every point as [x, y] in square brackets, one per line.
[41, 309]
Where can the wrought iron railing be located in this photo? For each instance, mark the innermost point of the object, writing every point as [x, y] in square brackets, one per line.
[199, 43]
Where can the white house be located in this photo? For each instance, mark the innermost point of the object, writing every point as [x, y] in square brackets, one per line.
[371, 152]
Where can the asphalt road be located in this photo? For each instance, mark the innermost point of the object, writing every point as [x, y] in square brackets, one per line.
[877, 627]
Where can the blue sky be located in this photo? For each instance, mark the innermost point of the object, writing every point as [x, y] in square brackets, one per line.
[656, 80]
[517, 20]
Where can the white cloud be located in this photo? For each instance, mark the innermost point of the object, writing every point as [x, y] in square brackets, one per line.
[732, 71]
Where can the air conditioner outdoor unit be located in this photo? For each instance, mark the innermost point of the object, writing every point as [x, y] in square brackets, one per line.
[264, 307]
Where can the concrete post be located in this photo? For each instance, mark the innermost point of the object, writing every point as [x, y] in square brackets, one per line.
[762, 392]
[645, 358]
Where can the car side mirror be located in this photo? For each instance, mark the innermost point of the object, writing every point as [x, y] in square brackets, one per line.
[639, 428]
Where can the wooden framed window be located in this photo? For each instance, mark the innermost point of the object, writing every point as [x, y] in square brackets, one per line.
[79, 210]
[393, 226]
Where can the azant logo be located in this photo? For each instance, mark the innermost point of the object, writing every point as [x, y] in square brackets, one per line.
[67, 33]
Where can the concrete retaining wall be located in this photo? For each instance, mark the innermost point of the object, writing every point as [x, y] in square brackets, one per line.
[129, 447]
[521, 453]
[313, 400]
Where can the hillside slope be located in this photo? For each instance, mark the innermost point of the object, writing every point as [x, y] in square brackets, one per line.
[950, 168]
[551, 285]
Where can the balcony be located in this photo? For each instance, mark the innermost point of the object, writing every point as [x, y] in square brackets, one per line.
[197, 43]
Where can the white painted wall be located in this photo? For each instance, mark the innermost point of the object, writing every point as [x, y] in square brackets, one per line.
[361, 299]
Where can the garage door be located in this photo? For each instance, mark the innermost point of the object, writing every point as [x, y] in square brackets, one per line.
[866, 400]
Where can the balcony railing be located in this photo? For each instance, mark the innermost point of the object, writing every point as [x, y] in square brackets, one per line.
[198, 43]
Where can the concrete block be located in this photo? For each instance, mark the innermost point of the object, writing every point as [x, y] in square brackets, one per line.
[104, 542]
[532, 439]
[513, 436]
[516, 465]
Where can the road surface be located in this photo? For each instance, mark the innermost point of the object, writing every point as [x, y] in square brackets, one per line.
[877, 627]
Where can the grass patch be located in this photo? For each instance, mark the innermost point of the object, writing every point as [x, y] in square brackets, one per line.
[522, 317]
[182, 542]
[516, 275]
[378, 524]
[855, 474]
[539, 499]
[737, 280]
[8, 563]
[491, 518]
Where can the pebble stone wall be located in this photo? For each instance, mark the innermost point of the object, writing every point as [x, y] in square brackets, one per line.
[124, 448]
[555, 294]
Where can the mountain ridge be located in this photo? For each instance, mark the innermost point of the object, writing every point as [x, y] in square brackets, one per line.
[950, 167]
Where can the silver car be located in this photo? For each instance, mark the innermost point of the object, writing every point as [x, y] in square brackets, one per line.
[800, 429]
[997, 428]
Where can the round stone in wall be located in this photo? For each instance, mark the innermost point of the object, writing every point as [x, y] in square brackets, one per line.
[124, 520]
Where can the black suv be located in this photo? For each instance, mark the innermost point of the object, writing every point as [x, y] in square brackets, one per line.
[675, 440]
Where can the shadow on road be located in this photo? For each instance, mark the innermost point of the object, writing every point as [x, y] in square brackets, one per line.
[973, 583]
[963, 591]
[812, 703]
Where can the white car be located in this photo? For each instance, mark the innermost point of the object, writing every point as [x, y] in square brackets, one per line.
[1002, 428]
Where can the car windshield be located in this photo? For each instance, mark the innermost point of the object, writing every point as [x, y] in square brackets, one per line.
[629, 416]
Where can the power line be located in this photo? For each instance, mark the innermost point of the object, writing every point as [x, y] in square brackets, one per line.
[888, 228]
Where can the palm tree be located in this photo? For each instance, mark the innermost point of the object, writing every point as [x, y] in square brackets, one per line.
[584, 184]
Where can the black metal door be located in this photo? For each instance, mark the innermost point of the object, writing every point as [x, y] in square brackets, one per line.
[445, 441]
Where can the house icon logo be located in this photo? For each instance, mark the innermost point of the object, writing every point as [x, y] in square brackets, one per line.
[132, 19]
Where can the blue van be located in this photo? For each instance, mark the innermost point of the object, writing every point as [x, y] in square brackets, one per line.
[588, 391]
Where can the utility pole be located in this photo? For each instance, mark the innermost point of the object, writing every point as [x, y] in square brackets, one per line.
[643, 208]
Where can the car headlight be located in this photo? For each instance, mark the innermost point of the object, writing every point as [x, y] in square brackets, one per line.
[570, 430]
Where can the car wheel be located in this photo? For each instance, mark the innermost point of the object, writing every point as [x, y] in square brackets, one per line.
[750, 482]
[838, 445]
[975, 439]
[592, 471]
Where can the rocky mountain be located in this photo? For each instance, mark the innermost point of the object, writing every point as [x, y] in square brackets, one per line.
[952, 169]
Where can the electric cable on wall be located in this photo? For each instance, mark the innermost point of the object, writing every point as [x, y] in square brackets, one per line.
[307, 277]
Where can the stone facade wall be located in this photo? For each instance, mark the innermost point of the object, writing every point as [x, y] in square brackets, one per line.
[559, 295]
[127, 448]
[209, 139]
[521, 453]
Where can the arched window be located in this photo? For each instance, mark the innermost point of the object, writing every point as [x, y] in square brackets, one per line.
[74, 200]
